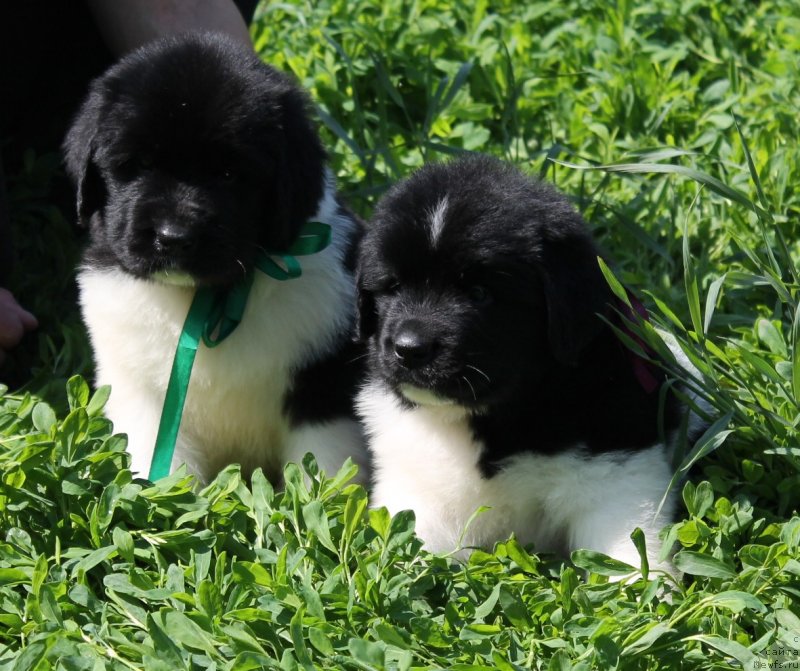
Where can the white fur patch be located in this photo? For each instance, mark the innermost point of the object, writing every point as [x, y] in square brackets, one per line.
[234, 405]
[426, 459]
[331, 443]
[437, 220]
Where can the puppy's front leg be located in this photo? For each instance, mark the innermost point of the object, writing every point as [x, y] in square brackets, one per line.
[608, 530]
[331, 443]
[137, 415]
[627, 497]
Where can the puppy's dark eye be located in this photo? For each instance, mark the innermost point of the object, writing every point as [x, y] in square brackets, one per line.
[388, 287]
[228, 175]
[479, 295]
[144, 161]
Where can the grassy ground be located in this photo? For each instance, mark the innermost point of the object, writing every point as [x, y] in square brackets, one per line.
[674, 127]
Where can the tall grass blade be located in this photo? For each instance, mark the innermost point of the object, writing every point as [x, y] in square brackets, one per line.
[458, 81]
[712, 298]
[613, 282]
[690, 278]
[796, 356]
[342, 134]
[766, 217]
[715, 185]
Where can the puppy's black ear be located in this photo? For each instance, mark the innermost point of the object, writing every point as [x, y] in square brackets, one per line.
[575, 292]
[78, 148]
[301, 178]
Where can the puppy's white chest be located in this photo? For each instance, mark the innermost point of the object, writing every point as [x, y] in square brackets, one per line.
[426, 459]
[234, 405]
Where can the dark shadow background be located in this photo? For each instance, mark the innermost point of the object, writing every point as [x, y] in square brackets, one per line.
[49, 52]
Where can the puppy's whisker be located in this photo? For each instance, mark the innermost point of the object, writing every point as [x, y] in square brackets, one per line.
[240, 263]
[258, 247]
[469, 384]
[479, 371]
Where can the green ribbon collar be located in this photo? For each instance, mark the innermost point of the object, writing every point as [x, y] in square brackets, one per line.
[213, 315]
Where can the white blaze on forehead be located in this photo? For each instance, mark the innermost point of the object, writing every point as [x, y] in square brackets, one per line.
[436, 219]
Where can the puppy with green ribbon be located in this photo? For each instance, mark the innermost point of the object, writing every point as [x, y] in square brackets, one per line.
[217, 286]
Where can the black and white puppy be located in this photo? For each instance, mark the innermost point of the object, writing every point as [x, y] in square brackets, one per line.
[493, 381]
[190, 157]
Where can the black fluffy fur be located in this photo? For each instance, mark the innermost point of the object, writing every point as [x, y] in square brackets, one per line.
[509, 305]
[197, 137]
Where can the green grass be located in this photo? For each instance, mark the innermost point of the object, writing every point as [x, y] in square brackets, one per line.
[674, 128]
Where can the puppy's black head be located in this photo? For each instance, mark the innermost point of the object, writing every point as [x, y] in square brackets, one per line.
[474, 279]
[190, 155]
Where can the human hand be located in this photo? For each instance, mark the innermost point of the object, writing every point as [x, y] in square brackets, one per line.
[14, 322]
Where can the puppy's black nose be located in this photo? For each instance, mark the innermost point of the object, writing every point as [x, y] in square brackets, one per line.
[171, 237]
[412, 345]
